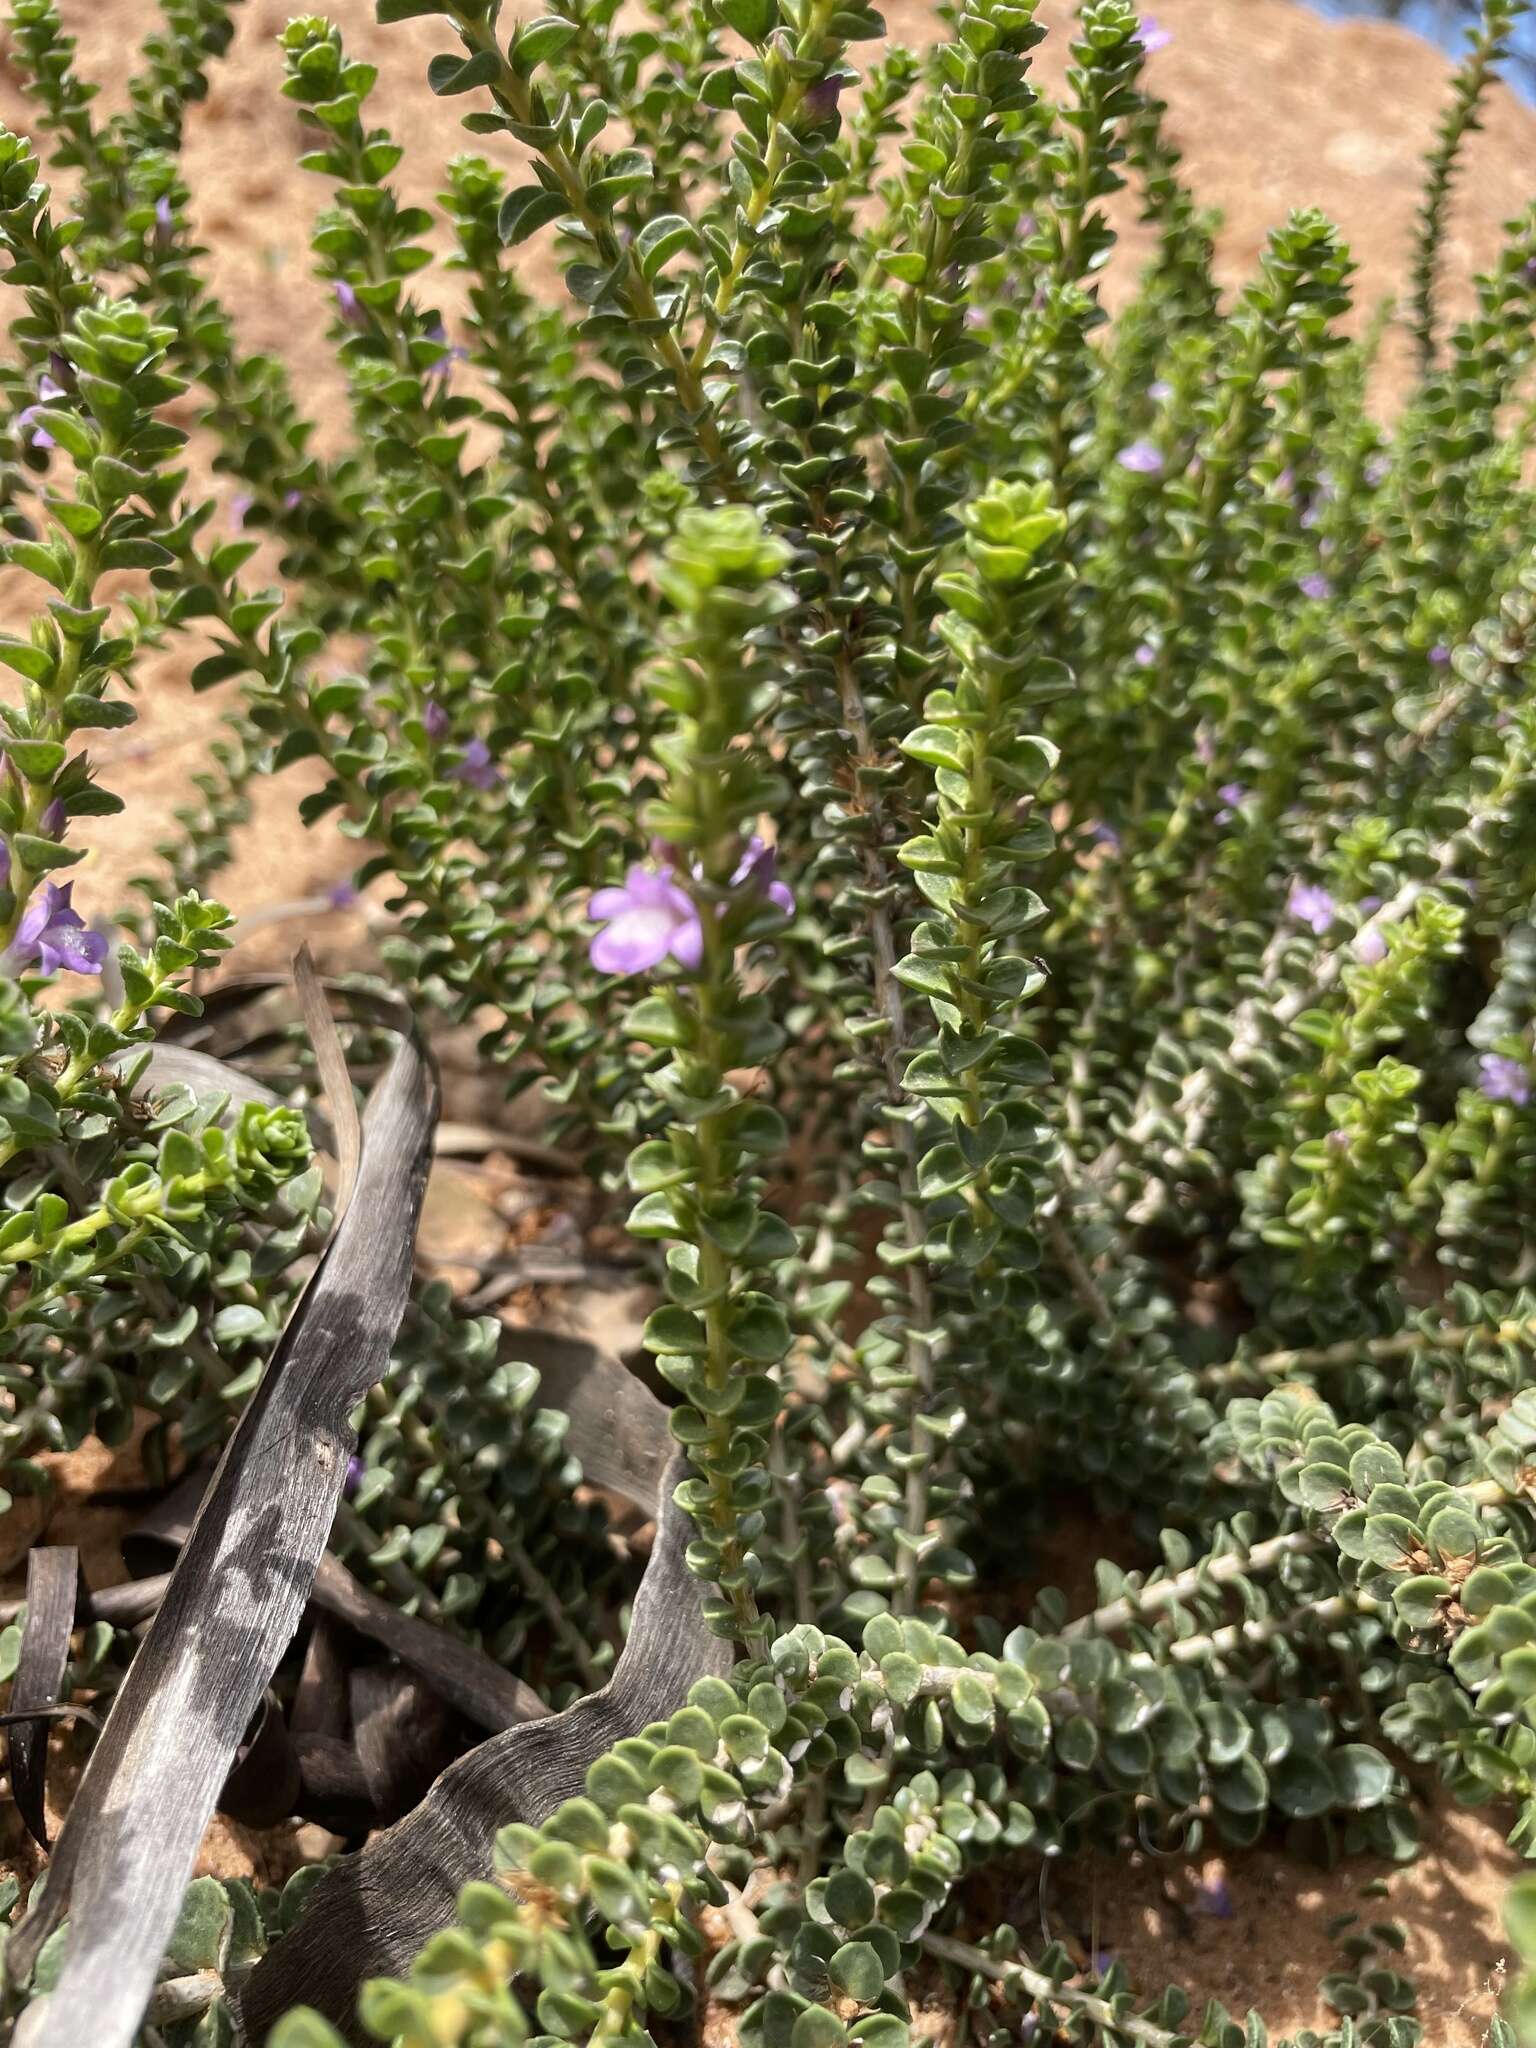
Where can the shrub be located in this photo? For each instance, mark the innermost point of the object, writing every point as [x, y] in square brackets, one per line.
[1008, 840]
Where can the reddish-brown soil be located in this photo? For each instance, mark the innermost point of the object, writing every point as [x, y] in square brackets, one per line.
[1274, 108]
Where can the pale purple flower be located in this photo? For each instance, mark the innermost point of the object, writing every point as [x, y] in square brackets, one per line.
[1160, 391]
[342, 895]
[47, 392]
[452, 352]
[1145, 655]
[1153, 36]
[975, 317]
[1371, 945]
[52, 935]
[1440, 655]
[239, 507]
[165, 222]
[476, 767]
[759, 865]
[5, 863]
[1027, 225]
[1336, 1141]
[292, 500]
[1205, 748]
[1315, 585]
[1376, 470]
[1285, 482]
[645, 920]
[1503, 1079]
[1142, 458]
[354, 1476]
[1310, 904]
[435, 719]
[1105, 835]
[1232, 795]
[54, 818]
[348, 304]
[1213, 1897]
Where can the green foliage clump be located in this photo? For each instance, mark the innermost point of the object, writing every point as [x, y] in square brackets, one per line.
[1008, 839]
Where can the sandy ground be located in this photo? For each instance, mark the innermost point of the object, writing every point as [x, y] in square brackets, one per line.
[1274, 108]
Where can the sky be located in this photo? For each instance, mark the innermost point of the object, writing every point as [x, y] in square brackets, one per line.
[1445, 23]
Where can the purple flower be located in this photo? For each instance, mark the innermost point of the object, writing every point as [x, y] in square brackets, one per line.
[47, 392]
[1142, 458]
[435, 719]
[1310, 904]
[1371, 945]
[1232, 795]
[1145, 655]
[454, 353]
[1153, 36]
[1027, 225]
[342, 895]
[1336, 1141]
[1105, 835]
[1376, 470]
[52, 935]
[348, 304]
[975, 316]
[354, 1476]
[759, 865]
[54, 818]
[239, 506]
[1205, 748]
[292, 500]
[1503, 1079]
[165, 222]
[1440, 655]
[475, 766]
[821, 99]
[1213, 1898]
[1315, 585]
[646, 919]
[1160, 391]
[5, 863]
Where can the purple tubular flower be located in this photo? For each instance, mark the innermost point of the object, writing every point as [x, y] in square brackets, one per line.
[348, 304]
[759, 866]
[5, 863]
[1152, 35]
[1105, 835]
[1310, 904]
[165, 222]
[47, 392]
[1439, 655]
[239, 506]
[342, 895]
[354, 1477]
[1503, 1079]
[1213, 1897]
[645, 920]
[52, 935]
[820, 101]
[1145, 655]
[1376, 470]
[435, 719]
[1315, 585]
[54, 818]
[1142, 458]
[476, 767]
[292, 500]
[1371, 945]
[1232, 795]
